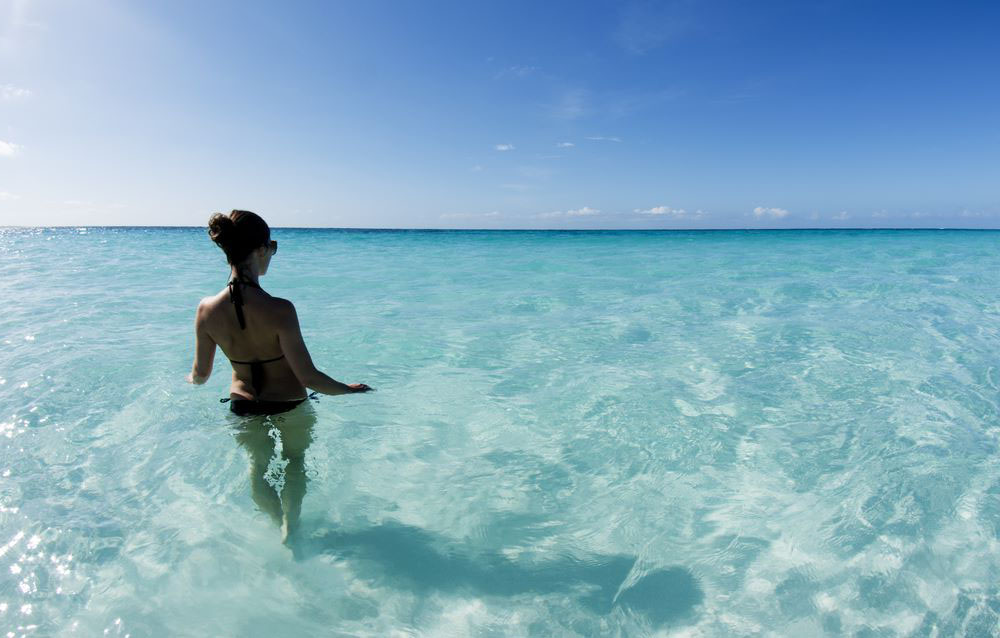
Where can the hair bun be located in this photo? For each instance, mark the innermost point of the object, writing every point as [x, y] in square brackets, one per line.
[238, 234]
[221, 229]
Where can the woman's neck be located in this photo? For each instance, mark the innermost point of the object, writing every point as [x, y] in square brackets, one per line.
[246, 272]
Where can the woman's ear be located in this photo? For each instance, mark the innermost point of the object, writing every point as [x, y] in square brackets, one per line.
[263, 256]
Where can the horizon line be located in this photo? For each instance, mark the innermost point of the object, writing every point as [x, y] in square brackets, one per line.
[570, 230]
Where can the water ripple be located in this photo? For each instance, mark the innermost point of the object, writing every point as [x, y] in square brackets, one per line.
[575, 434]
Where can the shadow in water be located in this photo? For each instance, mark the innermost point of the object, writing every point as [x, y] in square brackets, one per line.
[422, 561]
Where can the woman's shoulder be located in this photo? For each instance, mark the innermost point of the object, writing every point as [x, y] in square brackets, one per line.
[281, 307]
[209, 309]
[207, 304]
[274, 308]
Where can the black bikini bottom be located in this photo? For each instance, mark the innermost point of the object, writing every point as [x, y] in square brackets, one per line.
[245, 407]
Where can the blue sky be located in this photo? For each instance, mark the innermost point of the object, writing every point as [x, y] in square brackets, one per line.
[619, 114]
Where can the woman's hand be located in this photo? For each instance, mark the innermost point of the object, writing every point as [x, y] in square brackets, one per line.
[359, 387]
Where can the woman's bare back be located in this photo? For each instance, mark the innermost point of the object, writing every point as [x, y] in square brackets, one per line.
[259, 341]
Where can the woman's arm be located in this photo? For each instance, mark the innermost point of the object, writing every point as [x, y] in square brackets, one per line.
[293, 346]
[204, 349]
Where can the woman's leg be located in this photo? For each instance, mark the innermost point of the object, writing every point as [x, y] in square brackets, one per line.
[296, 435]
[260, 448]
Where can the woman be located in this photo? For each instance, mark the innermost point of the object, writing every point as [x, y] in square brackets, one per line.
[271, 367]
[258, 333]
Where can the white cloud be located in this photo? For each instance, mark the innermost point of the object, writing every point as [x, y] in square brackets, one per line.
[565, 145]
[664, 210]
[504, 147]
[667, 212]
[602, 138]
[477, 168]
[841, 216]
[8, 197]
[586, 211]
[774, 213]
[10, 92]
[9, 149]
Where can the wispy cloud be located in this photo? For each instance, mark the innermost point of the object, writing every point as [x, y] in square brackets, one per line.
[9, 149]
[586, 211]
[667, 211]
[516, 71]
[841, 216]
[9, 92]
[534, 172]
[478, 168]
[565, 145]
[609, 104]
[504, 147]
[624, 104]
[602, 138]
[572, 105]
[490, 215]
[8, 197]
[645, 26]
[17, 21]
[774, 213]
[976, 213]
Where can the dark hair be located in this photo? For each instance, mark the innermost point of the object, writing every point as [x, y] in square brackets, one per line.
[238, 234]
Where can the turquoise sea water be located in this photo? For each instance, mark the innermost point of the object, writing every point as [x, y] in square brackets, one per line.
[574, 434]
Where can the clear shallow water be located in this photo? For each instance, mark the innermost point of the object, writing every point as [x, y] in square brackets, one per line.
[692, 434]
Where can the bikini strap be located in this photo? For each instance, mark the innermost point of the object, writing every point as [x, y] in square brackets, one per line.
[236, 297]
[253, 362]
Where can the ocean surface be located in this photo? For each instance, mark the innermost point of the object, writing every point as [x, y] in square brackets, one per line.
[574, 434]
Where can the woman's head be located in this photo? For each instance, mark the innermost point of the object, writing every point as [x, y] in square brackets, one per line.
[240, 234]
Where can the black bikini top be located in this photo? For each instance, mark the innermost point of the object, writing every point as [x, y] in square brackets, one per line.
[236, 298]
